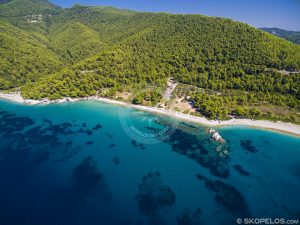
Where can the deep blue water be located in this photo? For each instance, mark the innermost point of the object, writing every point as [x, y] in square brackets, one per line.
[90, 163]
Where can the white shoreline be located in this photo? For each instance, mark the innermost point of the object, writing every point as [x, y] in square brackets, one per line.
[263, 124]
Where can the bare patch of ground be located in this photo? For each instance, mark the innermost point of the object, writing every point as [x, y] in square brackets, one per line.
[124, 95]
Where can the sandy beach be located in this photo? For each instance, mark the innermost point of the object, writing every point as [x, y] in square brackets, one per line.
[263, 124]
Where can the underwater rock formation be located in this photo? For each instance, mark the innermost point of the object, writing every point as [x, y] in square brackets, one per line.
[87, 177]
[112, 146]
[116, 160]
[190, 218]
[97, 127]
[138, 145]
[241, 170]
[226, 195]
[247, 145]
[153, 194]
[202, 151]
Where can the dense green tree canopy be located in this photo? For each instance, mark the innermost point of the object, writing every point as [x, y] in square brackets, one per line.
[23, 57]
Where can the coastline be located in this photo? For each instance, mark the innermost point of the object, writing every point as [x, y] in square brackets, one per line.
[282, 127]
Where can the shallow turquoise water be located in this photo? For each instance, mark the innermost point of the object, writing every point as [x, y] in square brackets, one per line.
[95, 163]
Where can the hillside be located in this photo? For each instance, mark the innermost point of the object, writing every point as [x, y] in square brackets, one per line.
[75, 41]
[107, 51]
[23, 57]
[26, 7]
[293, 36]
[29, 15]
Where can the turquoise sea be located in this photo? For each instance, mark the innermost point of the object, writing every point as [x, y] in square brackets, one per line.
[91, 163]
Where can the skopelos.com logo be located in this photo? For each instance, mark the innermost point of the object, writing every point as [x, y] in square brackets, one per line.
[145, 125]
[268, 221]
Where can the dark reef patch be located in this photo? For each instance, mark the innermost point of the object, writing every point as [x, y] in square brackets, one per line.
[153, 194]
[112, 146]
[201, 149]
[84, 129]
[132, 222]
[97, 127]
[116, 160]
[11, 123]
[247, 145]
[138, 145]
[89, 132]
[241, 170]
[24, 141]
[81, 130]
[157, 219]
[25, 144]
[226, 195]
[67, 201]
[69, 143]
[110, 136]
[190, 218]
[87, 178]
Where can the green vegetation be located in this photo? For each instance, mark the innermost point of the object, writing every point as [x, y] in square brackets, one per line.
[23, 57]
[293, 36]
[247, 105]
[82, 51]
[259, 89]
[75, 41]
[148, 97]
[14, 8]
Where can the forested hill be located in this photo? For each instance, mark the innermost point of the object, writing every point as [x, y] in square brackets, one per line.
[92, 49]
[24, 57]
[10, 8]
[293, 36]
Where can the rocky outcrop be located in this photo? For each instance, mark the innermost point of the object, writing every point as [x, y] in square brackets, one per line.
[216, 136]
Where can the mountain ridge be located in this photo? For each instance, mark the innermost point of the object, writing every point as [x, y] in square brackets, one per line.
[293, 36]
